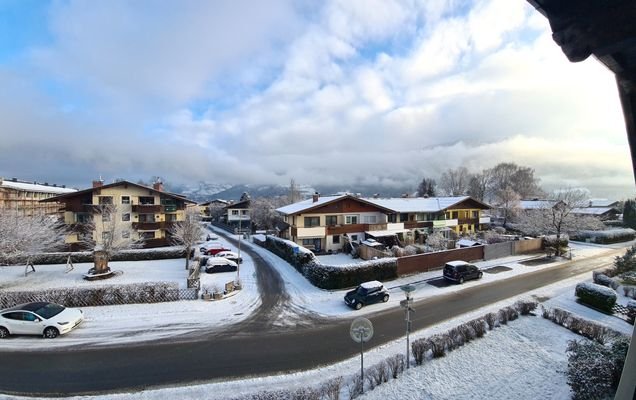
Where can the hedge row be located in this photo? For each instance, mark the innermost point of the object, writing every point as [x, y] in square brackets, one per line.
[87, 256]
[591, 330]
[604, 280]
[326, 276]
[607, 236]
[149, 292]
[598, 296]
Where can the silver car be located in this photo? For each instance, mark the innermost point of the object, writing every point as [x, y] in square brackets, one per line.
[40, 318]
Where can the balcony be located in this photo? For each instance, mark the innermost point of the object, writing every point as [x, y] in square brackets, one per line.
[347, 228]
[418, 224]
[468, 221]
[146, 208]
[317, 231]
[445, 223]
[484, 220]
[148, 226]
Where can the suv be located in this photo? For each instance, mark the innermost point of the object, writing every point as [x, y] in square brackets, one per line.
[460, 271]
[366, 293]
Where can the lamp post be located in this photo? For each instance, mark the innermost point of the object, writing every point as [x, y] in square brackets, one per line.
[238, 262]
[406, 304]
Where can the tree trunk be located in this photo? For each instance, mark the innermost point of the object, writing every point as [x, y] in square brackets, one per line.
[188, 250]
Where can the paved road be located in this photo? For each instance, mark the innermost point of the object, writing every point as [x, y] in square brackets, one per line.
[243, 352]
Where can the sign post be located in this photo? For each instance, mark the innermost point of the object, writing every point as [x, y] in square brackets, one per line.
[361, 331]
[406, 304]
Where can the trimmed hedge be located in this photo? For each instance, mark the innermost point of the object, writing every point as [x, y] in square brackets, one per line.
[87, 256]
[607, 236]
[597, 296]
[326, 276]
[604, 280]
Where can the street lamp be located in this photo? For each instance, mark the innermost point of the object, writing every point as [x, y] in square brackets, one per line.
[406, 304]
[238, 261]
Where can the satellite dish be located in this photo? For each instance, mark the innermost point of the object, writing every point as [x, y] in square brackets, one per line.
[361, 330]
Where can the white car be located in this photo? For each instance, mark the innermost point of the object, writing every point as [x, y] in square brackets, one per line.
[40, 318]
[220, 264]
[230, 255]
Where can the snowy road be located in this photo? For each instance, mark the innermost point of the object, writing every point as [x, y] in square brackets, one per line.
[247, 352]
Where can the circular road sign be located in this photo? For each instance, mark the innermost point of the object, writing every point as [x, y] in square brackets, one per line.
[361, 330]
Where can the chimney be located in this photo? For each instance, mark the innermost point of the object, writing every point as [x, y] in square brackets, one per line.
[98, 183]
[158, 185]
[315, 197]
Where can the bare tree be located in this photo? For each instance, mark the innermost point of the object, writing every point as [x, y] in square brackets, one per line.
[479, 185]
[427, 188]
[294, 194]
[26, 236]
[454, 182]
[508, 202]
[111, 234]
[512, 176]
[556, 216]
[216, 210]
[187, 232]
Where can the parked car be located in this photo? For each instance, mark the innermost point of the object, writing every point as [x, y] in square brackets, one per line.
[39, 318]
[220, 264]
[212, 249]
[230, 255]
[460, 271]
[366, 293]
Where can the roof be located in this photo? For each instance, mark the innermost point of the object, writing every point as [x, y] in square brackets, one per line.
[536, 204]
[602, 203]
[207, 203]
[592, 210]
[90, 190]
[419, 204]
[35, 187]
[371, 284]
[240, 204]
[386, 233]
[397, 205]
[467, 243]
[456, 263]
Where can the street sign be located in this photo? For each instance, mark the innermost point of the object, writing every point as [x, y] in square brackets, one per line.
[406, 303]
[361, 330]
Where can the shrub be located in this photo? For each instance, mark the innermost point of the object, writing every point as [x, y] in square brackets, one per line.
[491, 320]
[597, 296]
[478, 326]
[593, 369]
[631, 311]
[330, 390]
[627, 262]
[525, 307]
[602, 279]
[502, 317]
[377, 375]
[395, 365]
[606, 236]
[438, 345]
[419, 348]
[355, 386]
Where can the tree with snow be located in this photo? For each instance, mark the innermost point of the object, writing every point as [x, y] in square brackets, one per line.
[110, 235]
[556, 216]
[508, 202]
[518, 178]
[436, 241]
[26, 236]
[187, 232]
[263, 213]
[480, 184]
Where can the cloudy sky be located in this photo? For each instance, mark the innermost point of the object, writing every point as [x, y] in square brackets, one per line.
[354, 91]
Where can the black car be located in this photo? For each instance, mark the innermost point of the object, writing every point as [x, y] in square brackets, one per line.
[366, 293]
[460, 271]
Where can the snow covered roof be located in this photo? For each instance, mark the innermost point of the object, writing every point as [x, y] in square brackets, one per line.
[307, 204]
[467, 243]
[118, 183]
[602, 203]
[371, 284]
[417, 204]
[386, 233]
[536, 204]
[35, 187]
[592, 210]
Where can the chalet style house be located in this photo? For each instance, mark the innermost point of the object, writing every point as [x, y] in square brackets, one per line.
[604, 210]
[325, 223]
[24, 197]
[149, 211]
[237, 215]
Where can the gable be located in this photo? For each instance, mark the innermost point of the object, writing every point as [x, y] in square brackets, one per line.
[343, 206]
[469, 203]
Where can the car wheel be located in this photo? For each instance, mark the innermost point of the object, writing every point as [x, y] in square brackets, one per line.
[461, 280]
[480, 275]
[51, 333]
[385, 298]
[358, 305]
[4, 332]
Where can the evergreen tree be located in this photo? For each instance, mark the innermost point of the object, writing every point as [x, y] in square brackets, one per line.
[629, 214]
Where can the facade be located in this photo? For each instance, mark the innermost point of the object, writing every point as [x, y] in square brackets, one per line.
[208, 209]
[237, 215]
[24, 197]
[147, 212]
[326, 223]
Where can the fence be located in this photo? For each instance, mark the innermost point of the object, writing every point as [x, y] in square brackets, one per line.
[102, 296]
[368, 253]
[432, 261]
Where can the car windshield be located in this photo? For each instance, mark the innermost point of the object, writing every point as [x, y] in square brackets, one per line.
[49, 310]
[362, 290]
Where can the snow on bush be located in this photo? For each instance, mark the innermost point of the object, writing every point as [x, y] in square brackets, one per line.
[326, 276]
[594, 370]
[604, 280]
[595, 295]
[589, 329]
[606, 236]
[149, 292]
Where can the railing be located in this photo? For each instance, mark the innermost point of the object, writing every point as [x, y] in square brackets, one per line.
[146, 208]
[468, 221]
[347, 228]
[148, 226]
[418, 224]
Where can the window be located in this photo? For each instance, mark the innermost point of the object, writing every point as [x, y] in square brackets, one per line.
[351, 219]
[243, 212]
[354, 238]
[331, 220]
[404, 217]
[125, 235]
[235, 212]
[105, 200]
[312, 221]
[125, 217]
[171, 217]
[105, 236]
[392, 218]
[83, 218]
[336, 239]
[146, 200]
[147, 235]
[106, 217]
[146, 217]
[308, 242]
[475, 214]
[125, 199]
[369, 219]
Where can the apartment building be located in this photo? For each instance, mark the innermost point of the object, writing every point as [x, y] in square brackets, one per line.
[147, 212]
[24, 197]
[326, 223]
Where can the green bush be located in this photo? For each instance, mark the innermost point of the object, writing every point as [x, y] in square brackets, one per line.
[595, 295]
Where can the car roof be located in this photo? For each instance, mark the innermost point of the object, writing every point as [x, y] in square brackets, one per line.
[371, 284]
[27, 306]
[456, 263]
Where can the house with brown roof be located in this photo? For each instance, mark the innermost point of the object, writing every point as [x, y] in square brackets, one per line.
[150, 212]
